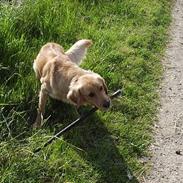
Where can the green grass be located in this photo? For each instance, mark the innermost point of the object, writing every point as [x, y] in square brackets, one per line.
[129, 39]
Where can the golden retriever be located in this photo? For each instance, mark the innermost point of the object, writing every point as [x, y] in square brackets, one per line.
[61, 78]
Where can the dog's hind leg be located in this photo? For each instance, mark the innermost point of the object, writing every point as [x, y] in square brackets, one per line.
[41, 108]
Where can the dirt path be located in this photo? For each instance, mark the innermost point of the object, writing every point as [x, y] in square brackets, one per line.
[167, 162]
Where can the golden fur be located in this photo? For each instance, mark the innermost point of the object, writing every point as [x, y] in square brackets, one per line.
[61, 78]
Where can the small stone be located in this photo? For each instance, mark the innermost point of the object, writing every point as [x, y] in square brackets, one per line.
[178, 152]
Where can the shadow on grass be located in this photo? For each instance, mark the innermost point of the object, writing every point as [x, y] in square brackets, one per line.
[98, 145]
[100, 150]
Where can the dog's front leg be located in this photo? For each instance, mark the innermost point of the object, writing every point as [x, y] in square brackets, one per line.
[41, 108]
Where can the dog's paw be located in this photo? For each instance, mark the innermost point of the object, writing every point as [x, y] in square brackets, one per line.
[38, 122]
[36, 125]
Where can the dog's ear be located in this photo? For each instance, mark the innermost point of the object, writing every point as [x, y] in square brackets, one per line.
[76, 97]
[105, 86]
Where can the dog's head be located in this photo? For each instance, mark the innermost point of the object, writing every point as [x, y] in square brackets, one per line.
[89, 89]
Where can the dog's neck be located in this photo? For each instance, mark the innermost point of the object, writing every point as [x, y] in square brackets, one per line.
[76, 78]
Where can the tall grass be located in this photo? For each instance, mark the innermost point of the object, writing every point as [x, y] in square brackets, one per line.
[129, 38]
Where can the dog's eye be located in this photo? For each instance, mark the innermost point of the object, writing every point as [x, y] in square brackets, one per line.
[101, 88]
[91, 94]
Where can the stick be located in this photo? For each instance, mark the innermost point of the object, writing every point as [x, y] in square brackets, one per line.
[77, 121]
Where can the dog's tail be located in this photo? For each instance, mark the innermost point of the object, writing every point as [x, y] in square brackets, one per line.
[78, 51]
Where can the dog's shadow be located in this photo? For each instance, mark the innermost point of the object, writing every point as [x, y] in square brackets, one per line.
[99, 148]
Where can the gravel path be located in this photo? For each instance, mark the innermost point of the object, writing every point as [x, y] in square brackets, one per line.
[168, 147]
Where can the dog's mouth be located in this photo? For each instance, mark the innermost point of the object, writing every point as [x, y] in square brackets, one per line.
[104, 106]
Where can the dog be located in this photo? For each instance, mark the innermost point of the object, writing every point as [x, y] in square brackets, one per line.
[62, 79]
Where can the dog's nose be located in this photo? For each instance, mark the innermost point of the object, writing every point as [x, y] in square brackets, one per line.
[106, 104]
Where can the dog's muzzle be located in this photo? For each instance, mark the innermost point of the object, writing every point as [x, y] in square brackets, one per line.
[106, 104]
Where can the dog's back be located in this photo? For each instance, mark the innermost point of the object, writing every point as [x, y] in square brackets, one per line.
[51, 50]
[47, 53]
